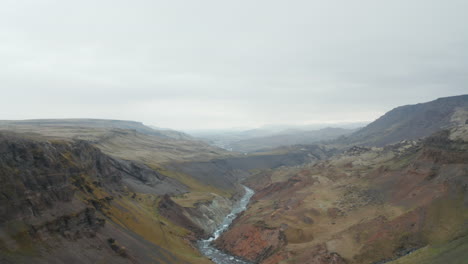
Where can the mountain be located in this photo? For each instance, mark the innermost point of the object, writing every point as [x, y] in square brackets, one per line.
[366, 205]
[401, 203]
[287, 138]
[411, 122]
[101, 191]
[270, 137]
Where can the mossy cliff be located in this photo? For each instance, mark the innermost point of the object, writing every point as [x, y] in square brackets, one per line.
[66, 201]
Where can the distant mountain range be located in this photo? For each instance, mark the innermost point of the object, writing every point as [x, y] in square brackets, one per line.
[270, 137]
[407, 122]
[289, 137]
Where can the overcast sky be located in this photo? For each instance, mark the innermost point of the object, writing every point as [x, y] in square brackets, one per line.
[219, 64]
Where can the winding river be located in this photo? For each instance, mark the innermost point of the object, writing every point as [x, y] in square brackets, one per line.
[206, 247]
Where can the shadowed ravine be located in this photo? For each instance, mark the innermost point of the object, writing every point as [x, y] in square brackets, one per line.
[206, 246]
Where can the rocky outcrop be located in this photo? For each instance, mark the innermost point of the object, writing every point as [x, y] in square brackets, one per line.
[84, 223]
[178, 215]
[253, 242]
[139, 178]
[209, 215]
[203, 219]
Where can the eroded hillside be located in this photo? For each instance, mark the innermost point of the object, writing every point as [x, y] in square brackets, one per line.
[66, 201]
[74, 192]
[367, 205]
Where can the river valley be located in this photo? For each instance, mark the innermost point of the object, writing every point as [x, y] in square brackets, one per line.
[206, 246]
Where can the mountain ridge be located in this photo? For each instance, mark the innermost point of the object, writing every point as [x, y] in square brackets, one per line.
[411, 122]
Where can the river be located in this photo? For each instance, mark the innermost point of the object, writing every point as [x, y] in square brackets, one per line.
[206, 246]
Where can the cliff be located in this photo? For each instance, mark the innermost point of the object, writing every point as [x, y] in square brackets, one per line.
[66, 201]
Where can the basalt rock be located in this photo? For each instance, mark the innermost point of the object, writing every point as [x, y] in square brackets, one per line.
[178, 215]
[57, 198]
[253, 242]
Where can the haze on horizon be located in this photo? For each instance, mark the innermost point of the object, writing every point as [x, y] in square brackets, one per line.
[220, 64]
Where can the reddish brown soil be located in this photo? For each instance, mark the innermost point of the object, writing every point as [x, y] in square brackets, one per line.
[363, 208]
[252, 242]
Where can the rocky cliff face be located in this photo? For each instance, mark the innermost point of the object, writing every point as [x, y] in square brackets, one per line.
[210, 214]
[66, 201]
[37, 174]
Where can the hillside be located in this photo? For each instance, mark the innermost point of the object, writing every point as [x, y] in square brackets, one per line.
[111, 171]
[124, 139]
[66, 201]
[118, 191]
[363, 206]
[192, 162]
[117, 186]
[411, 122]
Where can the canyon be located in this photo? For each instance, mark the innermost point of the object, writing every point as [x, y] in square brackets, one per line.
[111, 191]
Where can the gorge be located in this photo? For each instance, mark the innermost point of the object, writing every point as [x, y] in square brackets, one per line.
[101, 191]
[206, 246]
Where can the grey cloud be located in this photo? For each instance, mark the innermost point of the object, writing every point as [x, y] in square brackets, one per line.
[239, 63]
